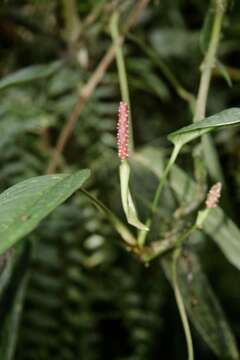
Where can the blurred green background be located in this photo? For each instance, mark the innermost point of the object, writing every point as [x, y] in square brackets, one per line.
[73, 292]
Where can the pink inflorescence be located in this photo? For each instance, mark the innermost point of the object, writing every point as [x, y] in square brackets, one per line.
[213, 196]
[122, 130]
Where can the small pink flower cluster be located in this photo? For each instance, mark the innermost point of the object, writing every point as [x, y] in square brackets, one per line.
[122, 131]
[214, 196]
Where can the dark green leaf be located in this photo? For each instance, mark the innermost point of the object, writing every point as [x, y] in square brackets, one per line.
[207, 317]
[203, 307]
[7, 262]
[9, 331]
[13, 279]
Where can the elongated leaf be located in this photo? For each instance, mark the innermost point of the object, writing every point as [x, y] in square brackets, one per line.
[203, 307]
[30, 73]
[217, 225]
[127, 201]
[13, 280]
[24, 205]
[6, 269]
[229, 117]
[9, 331]
[207, 317]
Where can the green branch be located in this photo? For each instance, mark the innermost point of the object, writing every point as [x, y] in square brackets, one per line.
[210, 154]
[122, 73]
[143, 234]
[122, 230]
[72, 22]
[209, 62]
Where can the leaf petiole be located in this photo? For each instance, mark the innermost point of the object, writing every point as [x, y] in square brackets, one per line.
[142, 234]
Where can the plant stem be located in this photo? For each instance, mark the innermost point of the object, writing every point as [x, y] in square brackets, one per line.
[122, 73]
[210, 153]
[72, 22]
[209, 62]
[162, 182]
[206, 70]
[180, 305]
[117, 224]
[142, 234]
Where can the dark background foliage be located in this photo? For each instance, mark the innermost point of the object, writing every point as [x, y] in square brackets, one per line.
[73, 291]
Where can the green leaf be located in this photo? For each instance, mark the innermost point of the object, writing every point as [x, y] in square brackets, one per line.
[7, 262]
[10, 328]
[127, 201]
[13, 279]
[227, 236]
[203, 307]
[217, 225]
[147, 167]
[229, 117]
[29, 74]
[24, 205]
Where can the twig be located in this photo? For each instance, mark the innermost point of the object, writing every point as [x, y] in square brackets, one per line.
[90, 86]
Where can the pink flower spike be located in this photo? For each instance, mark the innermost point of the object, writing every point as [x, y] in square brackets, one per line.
[122, 130]
[214, 196]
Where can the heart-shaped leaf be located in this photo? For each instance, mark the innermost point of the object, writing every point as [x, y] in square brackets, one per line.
[24, 205]
[229, 117]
